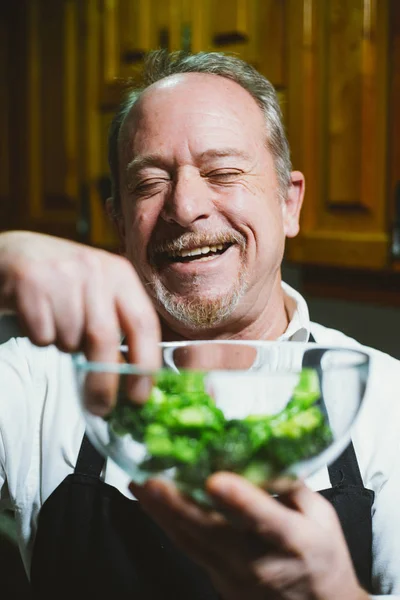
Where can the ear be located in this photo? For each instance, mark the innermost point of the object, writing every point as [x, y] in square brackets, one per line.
[118, 221]
[293, 203]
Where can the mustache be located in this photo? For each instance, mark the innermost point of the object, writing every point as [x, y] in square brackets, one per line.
[192, 240]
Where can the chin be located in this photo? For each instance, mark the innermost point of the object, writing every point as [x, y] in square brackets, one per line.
[198, 313]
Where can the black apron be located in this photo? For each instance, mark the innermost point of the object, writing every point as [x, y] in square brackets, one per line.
[93, 540]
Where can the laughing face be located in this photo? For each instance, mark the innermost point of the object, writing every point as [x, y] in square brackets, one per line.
[202, 220]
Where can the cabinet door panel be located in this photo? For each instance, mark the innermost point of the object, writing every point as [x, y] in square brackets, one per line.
[394, 135]
[337, 112]
[270, 32]
[44, 102]
[5, 137]
[345, 101]
[251, 29]
[130, 28]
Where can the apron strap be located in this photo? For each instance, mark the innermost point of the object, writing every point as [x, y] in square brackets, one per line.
[90, 461]
[344, 470]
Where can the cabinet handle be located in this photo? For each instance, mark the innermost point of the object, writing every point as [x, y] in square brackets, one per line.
[83, 222]
[163, 38]
[136, 55]
[132, 57]
[229, 38]
[186, 37]
[396, 224]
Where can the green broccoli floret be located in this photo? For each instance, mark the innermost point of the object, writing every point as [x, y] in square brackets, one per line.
[258, 472]
[259, 427]
[158, 441]
[193, 417]
[233, 448]
[183, 428]
[301, 436]
[296, 424]
[307, 390]
[124, 419]
[192, 476]
[187, 450]
[187, 382]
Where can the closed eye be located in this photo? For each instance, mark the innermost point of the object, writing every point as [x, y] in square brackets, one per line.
[223, 176]
[150, 187]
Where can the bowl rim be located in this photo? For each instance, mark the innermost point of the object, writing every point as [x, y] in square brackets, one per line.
[82, 364]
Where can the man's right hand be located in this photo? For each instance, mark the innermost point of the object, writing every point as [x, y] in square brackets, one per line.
[78, 298]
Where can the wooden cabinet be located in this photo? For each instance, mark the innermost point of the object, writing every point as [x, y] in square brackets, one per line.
[253, 29]
[128, 29]
[43, 146]
[394, 131]
[334, 65]
[5, 137]
[338, 85]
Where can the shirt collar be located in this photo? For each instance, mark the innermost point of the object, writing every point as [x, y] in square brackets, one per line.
[298, 329]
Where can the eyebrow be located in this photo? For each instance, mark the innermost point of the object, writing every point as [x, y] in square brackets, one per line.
[142, 161]
[154, 160]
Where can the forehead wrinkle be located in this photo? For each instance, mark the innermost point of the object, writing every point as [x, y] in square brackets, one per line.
[141, 161]
[224, 153]
[194, 85]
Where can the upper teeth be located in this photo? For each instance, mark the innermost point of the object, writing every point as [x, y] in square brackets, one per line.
[196, 251]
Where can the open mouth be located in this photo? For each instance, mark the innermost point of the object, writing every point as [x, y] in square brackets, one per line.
[201, 253]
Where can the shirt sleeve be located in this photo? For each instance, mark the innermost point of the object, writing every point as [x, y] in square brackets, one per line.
[381, 435]
[390, 597]
[17, 392]
[4, 495]
[386, 534]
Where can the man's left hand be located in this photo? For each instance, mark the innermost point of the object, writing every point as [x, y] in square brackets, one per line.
[258, 547]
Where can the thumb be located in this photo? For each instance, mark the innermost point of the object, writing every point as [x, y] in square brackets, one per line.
[310, 504]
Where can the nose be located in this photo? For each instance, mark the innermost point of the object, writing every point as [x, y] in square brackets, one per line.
[188, 200]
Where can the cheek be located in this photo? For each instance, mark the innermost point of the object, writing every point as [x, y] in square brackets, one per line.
[258, 211]
[139, 230]
[270, 231]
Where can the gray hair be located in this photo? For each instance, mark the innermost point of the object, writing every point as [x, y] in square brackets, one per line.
[160, 64]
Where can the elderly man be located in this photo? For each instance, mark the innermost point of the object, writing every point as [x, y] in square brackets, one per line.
[203, 199]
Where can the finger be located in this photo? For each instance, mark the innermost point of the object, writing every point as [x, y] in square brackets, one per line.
[311, 505]
[101, 328]
[141, 326]
[258, 511]
[231, 552]
[139, 321]
[138, 387]
[190, 526]
[61, 283]
[163, 498]
[278, 572]
[35, 314]
[101, 343]
[69, 317]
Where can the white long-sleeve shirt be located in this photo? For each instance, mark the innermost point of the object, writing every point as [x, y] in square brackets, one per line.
[41, 429]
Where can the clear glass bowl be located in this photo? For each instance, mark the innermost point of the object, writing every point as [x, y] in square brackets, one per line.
[270, 411]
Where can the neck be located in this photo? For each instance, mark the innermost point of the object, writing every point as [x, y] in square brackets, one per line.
[264, 321]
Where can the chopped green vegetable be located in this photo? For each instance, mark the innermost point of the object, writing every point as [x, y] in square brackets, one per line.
[258, 472]
[307, 390]
[181, 427]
